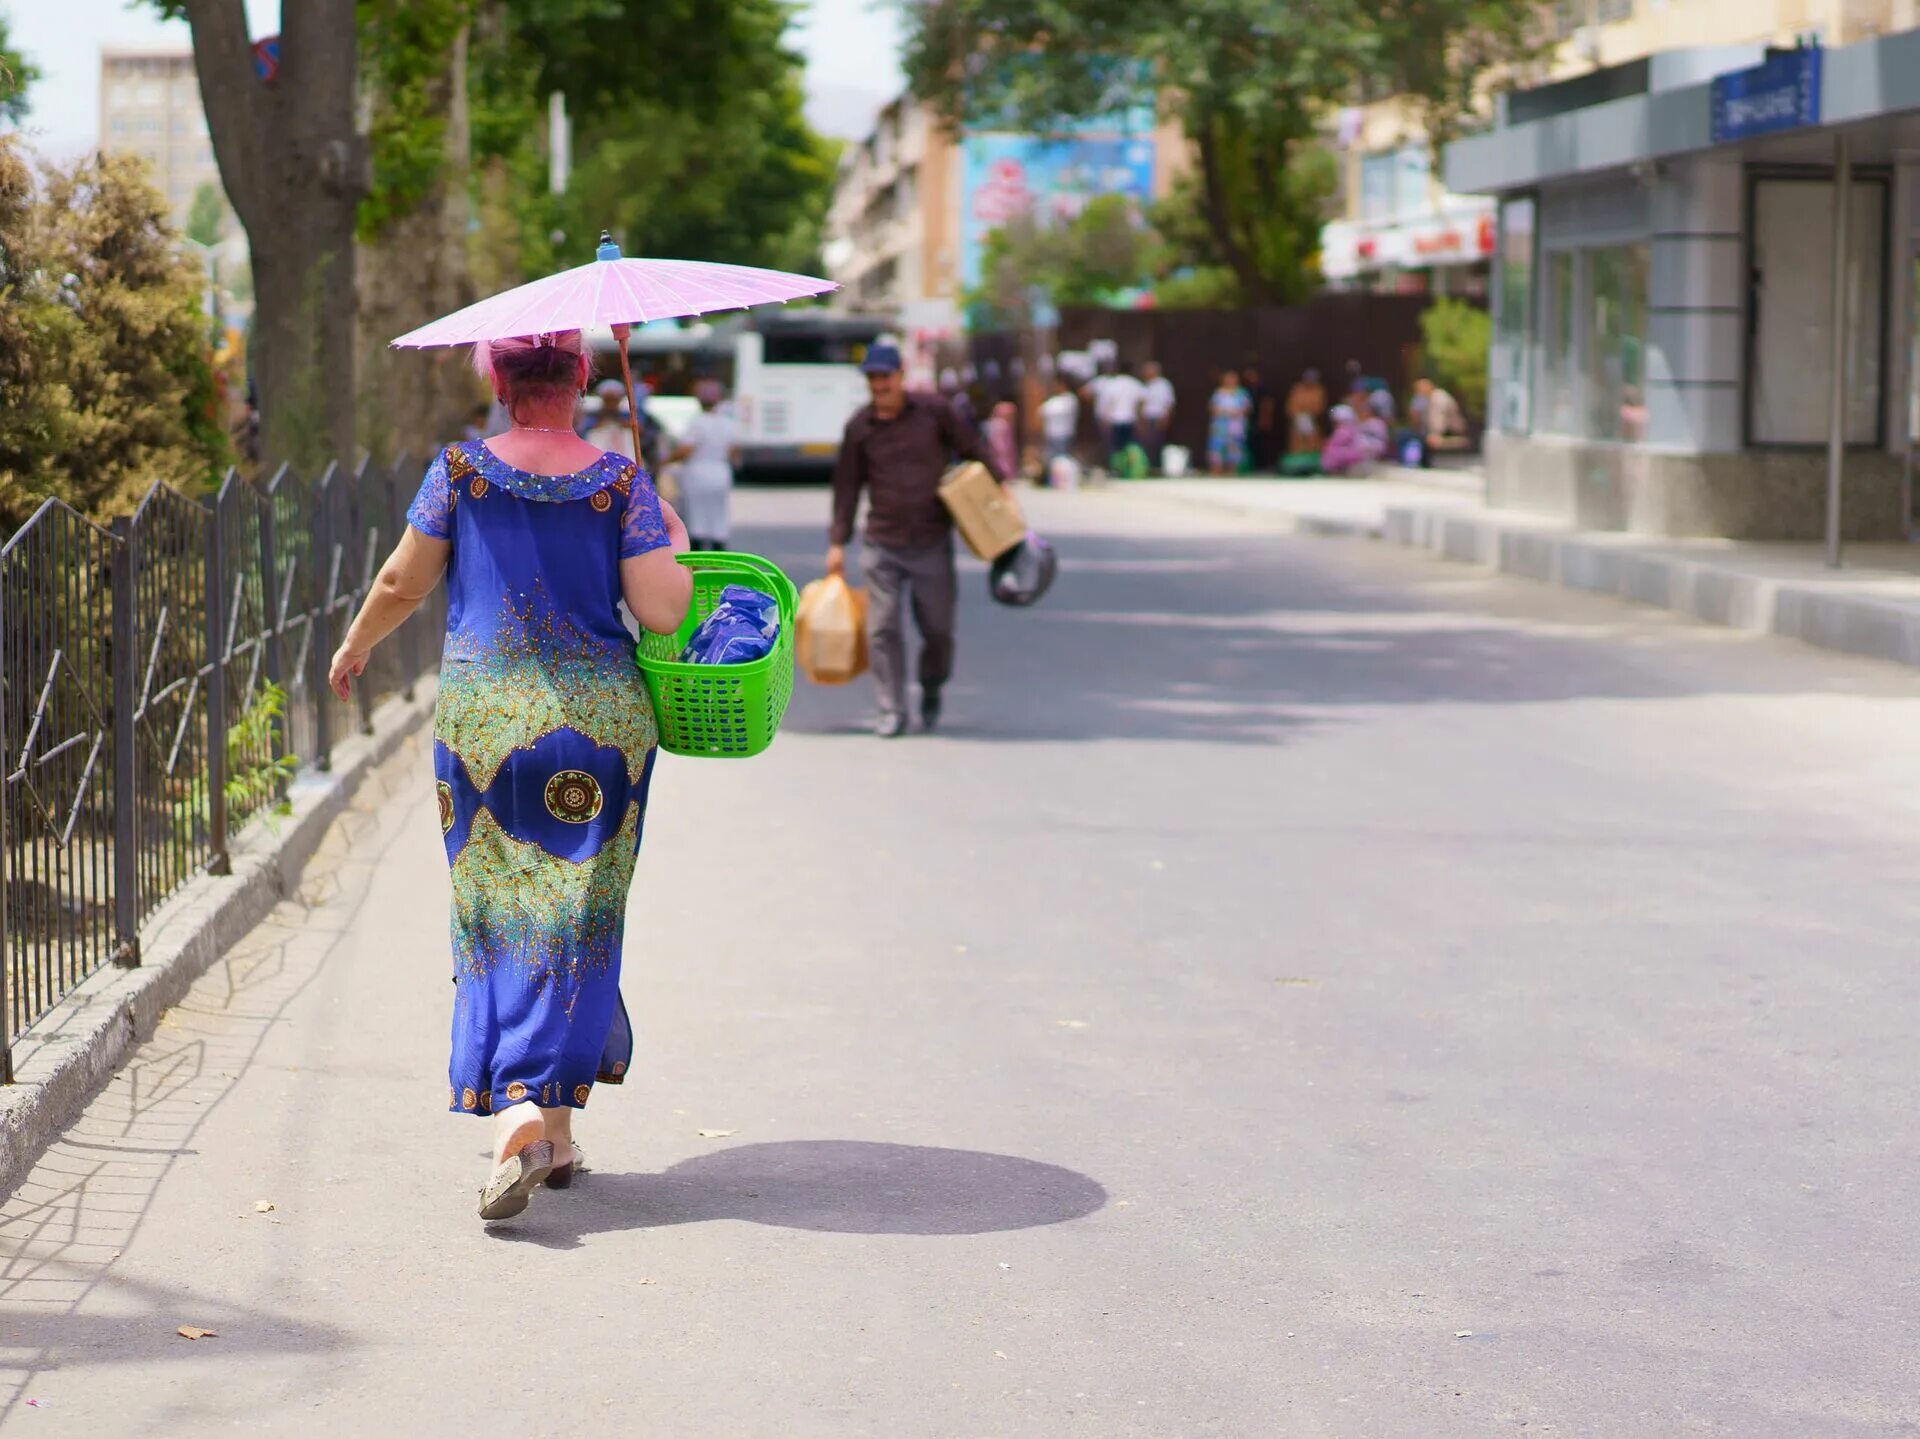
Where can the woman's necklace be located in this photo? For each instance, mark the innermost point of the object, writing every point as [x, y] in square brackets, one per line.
[544, 429]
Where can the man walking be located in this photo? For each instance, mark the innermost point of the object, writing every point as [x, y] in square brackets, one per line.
[1156, 411]
[895, 449]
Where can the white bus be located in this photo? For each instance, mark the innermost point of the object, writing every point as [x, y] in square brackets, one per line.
[796, 383]
[792, 377]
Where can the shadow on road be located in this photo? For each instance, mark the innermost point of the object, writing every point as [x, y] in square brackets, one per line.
[831, 1186]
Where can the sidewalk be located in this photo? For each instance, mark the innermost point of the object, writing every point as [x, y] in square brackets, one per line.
[1871, 607]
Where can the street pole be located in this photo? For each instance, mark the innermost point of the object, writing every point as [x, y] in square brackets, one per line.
[1837, 389]
[559, 143]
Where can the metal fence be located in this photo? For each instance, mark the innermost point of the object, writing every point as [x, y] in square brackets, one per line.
[160, 680]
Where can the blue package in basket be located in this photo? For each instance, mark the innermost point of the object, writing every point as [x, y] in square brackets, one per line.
[742, 627]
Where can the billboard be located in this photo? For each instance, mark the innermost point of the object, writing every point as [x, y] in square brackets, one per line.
[1004, 176]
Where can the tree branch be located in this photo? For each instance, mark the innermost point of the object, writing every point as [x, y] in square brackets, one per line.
[239, 117]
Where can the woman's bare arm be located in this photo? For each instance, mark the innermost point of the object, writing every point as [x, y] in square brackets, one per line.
[656, 586]
[407, 578]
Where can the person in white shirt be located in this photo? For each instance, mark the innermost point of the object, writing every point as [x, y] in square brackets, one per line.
[1059, 418]
[1116, 405]
[609, 429]
[706, 454]
[1156, 411]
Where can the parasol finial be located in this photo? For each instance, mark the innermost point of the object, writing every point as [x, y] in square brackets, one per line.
[608, 250]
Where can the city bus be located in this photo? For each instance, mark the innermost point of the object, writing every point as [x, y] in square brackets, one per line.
[792, 379]
[796, 383]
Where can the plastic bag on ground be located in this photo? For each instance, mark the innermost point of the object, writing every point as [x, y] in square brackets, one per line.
[830, 631]
[741, 627]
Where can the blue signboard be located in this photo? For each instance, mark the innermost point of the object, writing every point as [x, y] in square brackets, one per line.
[1781, 94]
[1005, 176]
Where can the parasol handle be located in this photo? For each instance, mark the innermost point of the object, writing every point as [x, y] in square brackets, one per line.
[620, 333]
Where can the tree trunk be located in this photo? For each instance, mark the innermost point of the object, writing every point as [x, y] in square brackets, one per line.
[1220, 219]
[294, 166]
[415, 269]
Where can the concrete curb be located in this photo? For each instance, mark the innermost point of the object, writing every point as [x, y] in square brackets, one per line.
[1828, 615]
[65, 1059]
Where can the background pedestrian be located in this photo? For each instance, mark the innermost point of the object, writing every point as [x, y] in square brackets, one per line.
[1156, 411]
[1228, 412]
[1002, 434]
[1305, 410]
[894, 452]
[1263, 420]
[707, 454]
[1059, 420]
[608, 429]
[1117, 403]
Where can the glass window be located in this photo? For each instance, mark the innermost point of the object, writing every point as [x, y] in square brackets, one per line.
[1512, 357]
[1376, 186]
[1594, 342]
[1412, 172]
[1613, 365]
[1559, 407]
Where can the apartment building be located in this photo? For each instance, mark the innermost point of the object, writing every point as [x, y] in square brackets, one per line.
[1401, 230]
[150, 107]
[894, 225]
[914, 204]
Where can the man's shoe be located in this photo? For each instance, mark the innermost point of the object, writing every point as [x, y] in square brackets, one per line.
[890, 726]
[930, 712]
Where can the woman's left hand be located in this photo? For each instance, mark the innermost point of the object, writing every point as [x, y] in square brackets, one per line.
[348, 665]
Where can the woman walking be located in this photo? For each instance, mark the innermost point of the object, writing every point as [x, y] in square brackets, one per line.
[1227, 430]
[707, 454]
[543, 744]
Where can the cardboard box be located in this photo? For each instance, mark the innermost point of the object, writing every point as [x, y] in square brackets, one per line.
[987, 516]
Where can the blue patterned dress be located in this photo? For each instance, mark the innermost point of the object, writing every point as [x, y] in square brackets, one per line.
[543, 749]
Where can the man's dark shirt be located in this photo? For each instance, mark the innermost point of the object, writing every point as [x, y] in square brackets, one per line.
[899, 462]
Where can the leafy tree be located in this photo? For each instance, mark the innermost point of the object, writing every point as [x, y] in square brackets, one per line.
[702, 152]
[1455, 338]
[690, 138]
[1104, 249]
[1250, 81]
[1274, 220]
[16, 75]
[106, 383]
[207, 218]
[750, 186]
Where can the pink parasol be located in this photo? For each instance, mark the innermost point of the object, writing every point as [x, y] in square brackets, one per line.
[615, 293]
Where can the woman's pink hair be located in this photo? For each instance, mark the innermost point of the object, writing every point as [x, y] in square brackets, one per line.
[534, 367]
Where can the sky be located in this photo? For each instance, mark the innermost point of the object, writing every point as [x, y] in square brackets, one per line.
[852, 50]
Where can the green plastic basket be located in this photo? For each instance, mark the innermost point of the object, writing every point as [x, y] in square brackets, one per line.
[720, 711]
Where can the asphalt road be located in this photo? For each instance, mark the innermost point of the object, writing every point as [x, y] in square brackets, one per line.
[1307, 990]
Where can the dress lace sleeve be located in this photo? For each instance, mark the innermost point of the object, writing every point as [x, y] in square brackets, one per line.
[431, 512]
[642, 527]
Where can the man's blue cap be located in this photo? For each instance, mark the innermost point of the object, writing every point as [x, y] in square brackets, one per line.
[882, 360]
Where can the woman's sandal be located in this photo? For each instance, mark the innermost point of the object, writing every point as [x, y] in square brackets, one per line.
[519, 1174]
[562, 1176]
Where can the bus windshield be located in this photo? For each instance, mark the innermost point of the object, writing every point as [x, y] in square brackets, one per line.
[803, 349]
